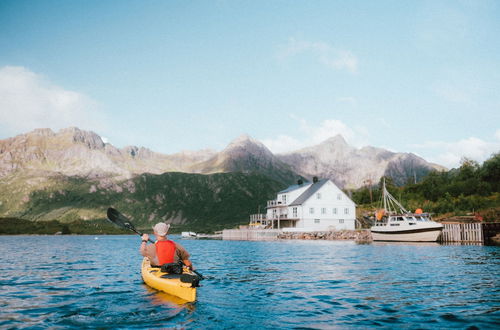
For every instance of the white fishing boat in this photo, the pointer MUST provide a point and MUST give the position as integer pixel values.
(395, 223)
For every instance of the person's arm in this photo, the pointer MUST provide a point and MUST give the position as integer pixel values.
(143, 248)
(183, 255)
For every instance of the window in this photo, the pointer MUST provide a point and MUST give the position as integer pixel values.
(323, 210)
(318, 195)
(283, 198)
(334, 210)
(341, 220)
(316, 220)
(339, 196)
(294, 210)
(311, 210)
(346, 210)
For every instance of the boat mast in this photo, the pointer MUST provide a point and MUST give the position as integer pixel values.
(391, 203)
(384, 194)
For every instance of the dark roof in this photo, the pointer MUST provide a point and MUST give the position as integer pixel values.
(309, 192)
(294, 187)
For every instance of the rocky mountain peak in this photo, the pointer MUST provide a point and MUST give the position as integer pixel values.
(88, 138)
(337, 140)
(246, 144)
(42, 132)
(243, 141)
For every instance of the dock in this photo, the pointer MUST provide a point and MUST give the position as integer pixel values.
(246, 234)
(469, 232)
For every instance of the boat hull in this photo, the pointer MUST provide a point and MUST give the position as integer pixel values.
(173, 285)
(427, 235)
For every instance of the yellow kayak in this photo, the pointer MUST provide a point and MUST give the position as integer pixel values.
(179, 285)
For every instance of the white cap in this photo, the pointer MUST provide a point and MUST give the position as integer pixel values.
(161, 228)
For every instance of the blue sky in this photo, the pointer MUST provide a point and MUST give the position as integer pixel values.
(410, 76)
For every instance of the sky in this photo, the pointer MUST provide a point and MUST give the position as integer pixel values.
(409, 76)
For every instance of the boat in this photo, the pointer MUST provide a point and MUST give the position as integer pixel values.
(178, 285)
(394, 223)
(188, 234)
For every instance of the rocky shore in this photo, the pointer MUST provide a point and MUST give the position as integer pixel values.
(357, 235)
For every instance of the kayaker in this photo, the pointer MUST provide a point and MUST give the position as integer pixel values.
(164, 251)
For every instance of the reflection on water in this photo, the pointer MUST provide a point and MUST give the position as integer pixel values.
(80, 281)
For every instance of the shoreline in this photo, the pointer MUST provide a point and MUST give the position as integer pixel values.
(352, 235)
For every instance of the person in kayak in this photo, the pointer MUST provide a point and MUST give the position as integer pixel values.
(164, 251)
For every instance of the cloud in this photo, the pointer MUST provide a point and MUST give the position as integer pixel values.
(313, 135)
(326, 54)
(29, 101)
(450, 154)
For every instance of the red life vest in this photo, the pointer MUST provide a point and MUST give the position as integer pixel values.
(165, 251)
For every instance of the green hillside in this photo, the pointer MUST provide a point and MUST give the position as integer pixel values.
(196, 202)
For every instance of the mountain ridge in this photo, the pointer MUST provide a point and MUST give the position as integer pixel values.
(75, 152)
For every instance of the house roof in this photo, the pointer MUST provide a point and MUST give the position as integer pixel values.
(309, 192)
(294, 187)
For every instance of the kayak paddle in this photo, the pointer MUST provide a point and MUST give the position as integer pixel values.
(122, 221)
(119, 219)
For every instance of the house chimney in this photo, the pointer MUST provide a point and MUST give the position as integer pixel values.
(315, 179)
(300, 182)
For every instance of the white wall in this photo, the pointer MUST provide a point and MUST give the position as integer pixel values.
(323, 210)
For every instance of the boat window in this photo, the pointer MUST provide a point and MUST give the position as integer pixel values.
(394, 224)
(400, 219)
(412, 223)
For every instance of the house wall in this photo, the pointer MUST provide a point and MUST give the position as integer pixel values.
(323, 216)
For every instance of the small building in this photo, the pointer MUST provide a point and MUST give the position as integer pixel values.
(316, 206)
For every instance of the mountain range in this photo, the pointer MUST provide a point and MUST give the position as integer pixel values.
(73, 175)
(75, 152)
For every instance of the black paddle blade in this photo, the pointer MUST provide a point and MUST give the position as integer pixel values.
(119, 219)
(113, 215)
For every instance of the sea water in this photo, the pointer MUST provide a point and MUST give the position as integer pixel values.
(95, 282)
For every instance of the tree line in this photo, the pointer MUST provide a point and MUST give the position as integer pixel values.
(471, 188)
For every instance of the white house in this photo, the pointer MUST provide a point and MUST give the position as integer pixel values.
(316, 206)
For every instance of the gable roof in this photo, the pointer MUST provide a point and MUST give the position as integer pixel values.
(294, 187)
(309, 192)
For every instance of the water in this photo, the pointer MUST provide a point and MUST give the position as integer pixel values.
(81, 281)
